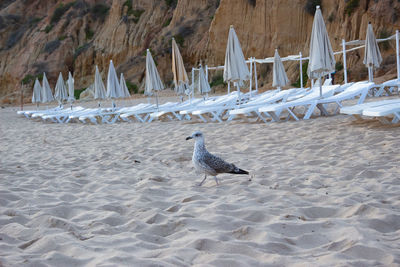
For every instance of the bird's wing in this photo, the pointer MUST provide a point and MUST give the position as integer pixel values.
(217, 164)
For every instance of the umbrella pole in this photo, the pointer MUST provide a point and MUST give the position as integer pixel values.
(229, 87)
(238, 91)
(251, 75)
(369, 73)
(255, 76)
(344, 61)
(22, 98)
(301, 71)
(398, 54)
(37, 106)
(157, 100)
(320, 87)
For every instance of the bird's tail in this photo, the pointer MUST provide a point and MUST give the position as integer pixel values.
(236, 170)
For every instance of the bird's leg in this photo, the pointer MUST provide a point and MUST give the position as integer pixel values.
(216, 180)
(205, 177)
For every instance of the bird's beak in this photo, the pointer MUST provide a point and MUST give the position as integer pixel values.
(189, 137)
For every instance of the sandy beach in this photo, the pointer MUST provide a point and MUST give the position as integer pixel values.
(325, 192)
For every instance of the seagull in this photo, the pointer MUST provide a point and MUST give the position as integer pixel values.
(209, 164)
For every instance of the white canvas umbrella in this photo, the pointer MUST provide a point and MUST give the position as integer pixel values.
(372, 55)
(60, 91)
(181, 80)
(235, 68)
(322, 60)
(70, 83)
(124, 88)
(204, 86)
(113, 87)
(279, 77)
(47, 95)
(36, 96)
(99, 89)
(153, 80)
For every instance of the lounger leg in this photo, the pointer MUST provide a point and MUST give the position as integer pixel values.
(396, 118)
(179, 117)
(362, 97)
(338, 107)
(293, 115)
(139, 118)
(230, 118)
(216, 116)
(309, 111)
(146, 117)
(273, 116)
(323, 110)
(384, 120)
(202, 118)
(115, 119)
(260, 116)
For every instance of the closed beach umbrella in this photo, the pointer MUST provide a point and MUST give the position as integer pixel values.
(279, 77)
(36, 96)
(99, 89)
(153, 80)
(124, 88)
(204, 86)
(113, 87)
(37, 92)
(372, 55)
(322, 60)
(181, 80)
(60, 91)
(47, 95)
(70, 83)
(235, 68)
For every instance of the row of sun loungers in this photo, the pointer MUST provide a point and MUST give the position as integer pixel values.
(271, 106)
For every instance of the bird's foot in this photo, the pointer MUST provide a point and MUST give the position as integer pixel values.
(216, 180)
(251, 177)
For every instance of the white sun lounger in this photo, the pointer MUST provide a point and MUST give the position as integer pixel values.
(143, 114)
(382, 112)
(110, 116)
(74, 117)
(29, 113)
(213, 111)
(172, 113)
(40, 115)
(217, 101)
(62, 116)
(307, 101)
(251, 108)
(357, 110)
(388, 87)
(351, 91)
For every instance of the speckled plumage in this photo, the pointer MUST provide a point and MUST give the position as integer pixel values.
(207, 163)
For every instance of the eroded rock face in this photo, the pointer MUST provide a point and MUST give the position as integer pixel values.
(39, 35)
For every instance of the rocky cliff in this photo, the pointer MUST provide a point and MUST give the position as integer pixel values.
(54, 36)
